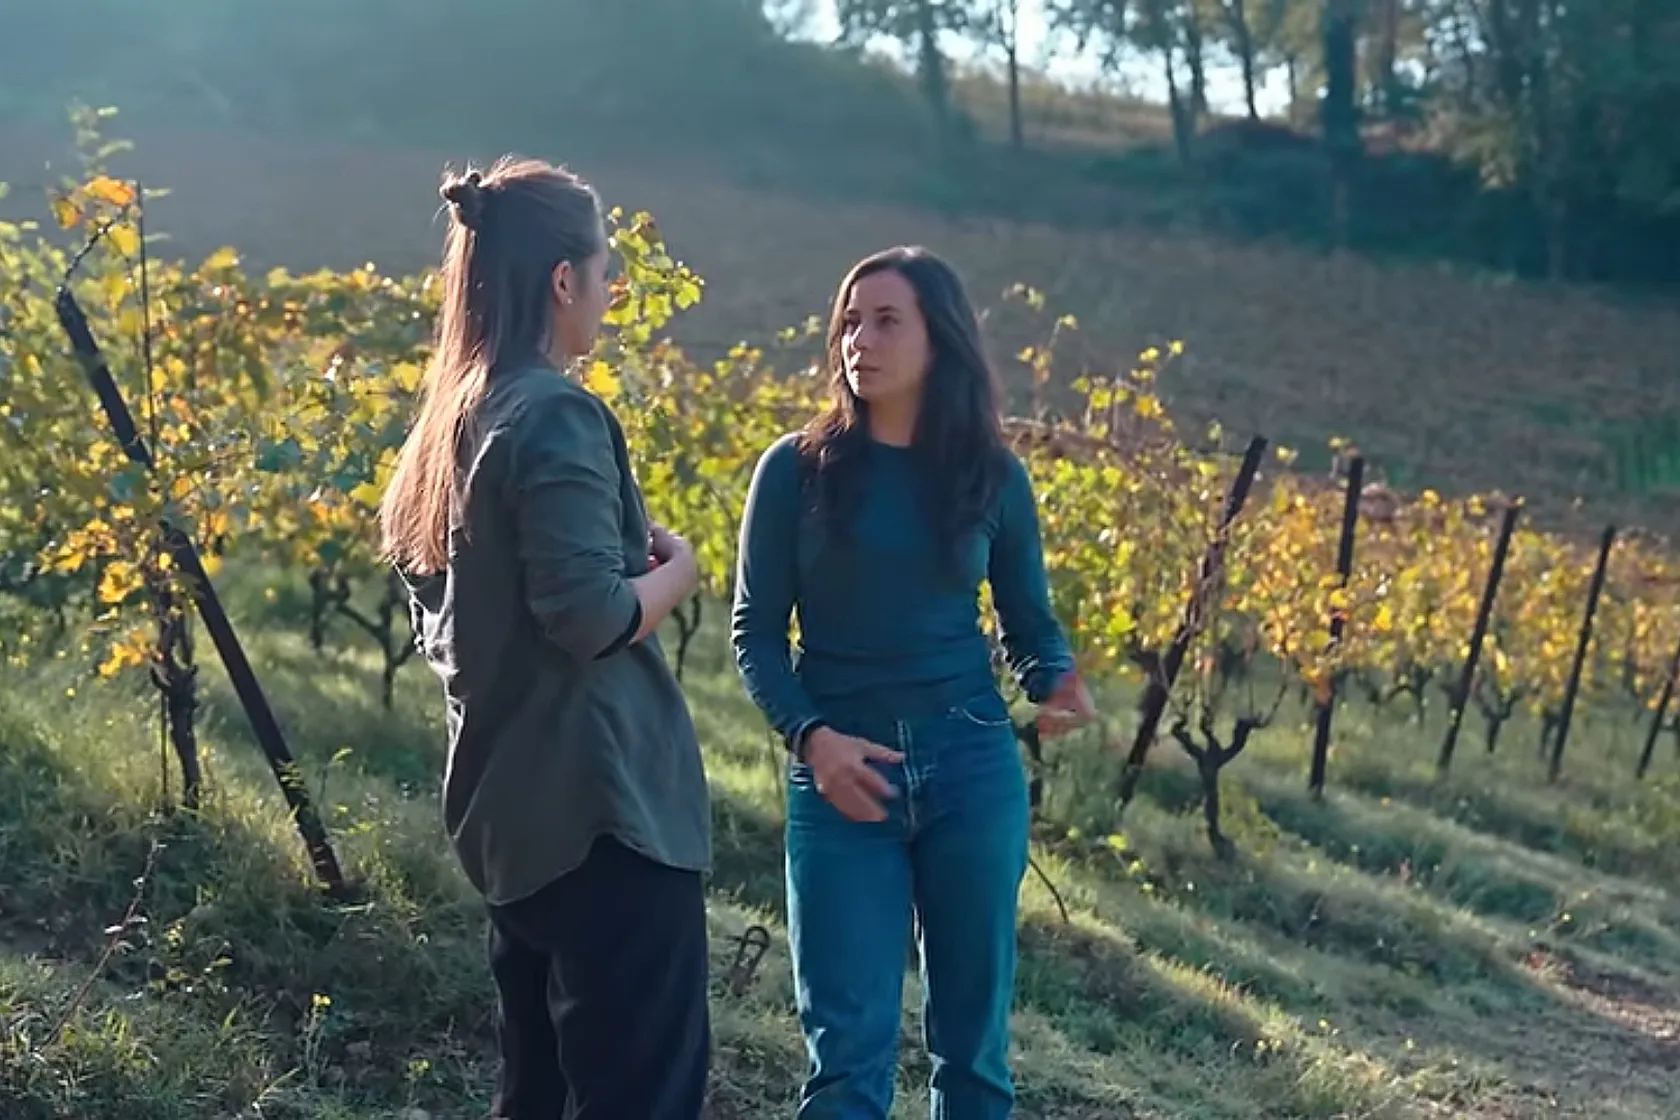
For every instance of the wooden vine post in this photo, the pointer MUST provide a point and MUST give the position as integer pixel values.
(209, 605)
(1338, 622)
(1160, 685)
(1478, 634)
(1567, 712)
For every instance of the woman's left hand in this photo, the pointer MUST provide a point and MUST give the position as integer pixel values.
(1066, 709)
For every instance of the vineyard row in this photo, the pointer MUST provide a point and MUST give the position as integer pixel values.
(272, 408)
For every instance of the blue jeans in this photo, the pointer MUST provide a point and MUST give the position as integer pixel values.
(953, 850)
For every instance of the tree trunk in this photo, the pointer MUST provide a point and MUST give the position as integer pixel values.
(1557, 241)
(1245, 54)
(175, 675)
(397, 652)
(1183, 125)
(688, 625)
(1467, 58)
(1495, 724)
(931, 65)
(1292, 69)
(180, 699)
(1208, 769)
(1387, 53)
(1341, 114)
(1196, 56)
(320, 604)
(1017, 133)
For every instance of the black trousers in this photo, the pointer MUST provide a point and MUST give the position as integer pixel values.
(601, 985)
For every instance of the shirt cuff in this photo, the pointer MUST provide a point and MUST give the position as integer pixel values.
(800, 734)
(624, 638)
(1043, 680)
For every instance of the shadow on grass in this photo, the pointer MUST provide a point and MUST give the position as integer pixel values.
(1153, 1014)
(60, 880)
(1595, 827)
(747, 850)
(145, 1060)
(1253, 961)
(1325, 906)
(1098, 989)
(1469, 870)
(1488, 876)
(185, 1055)
(1395, 955)
(230, 922)
(327, 703)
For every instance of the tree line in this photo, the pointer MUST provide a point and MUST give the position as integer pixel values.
(1569, 106)
(1535, 137)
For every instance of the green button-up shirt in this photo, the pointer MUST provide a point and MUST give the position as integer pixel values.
(560, 728)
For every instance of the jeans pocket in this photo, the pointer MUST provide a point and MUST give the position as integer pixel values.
(985, 710)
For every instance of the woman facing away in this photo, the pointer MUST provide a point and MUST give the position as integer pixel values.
(574, 792)
(906, 792)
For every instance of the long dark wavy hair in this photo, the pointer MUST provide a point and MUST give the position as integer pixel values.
(958, 443)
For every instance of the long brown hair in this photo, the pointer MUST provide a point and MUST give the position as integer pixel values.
(509, 228)
(958, 442)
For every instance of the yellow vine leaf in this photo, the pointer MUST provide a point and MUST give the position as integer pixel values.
(119, 580)
(407, 375)
(71, 559)
(115, 286)
(601, 380)
(65, 212)
(109, 190)
(124, 655)
(125, 239)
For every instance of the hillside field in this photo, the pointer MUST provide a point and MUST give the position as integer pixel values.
(1485, 944)
(1489, 948)
(1462, 383)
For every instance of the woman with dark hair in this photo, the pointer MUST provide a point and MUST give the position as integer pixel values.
(574, 794)
(906, 792)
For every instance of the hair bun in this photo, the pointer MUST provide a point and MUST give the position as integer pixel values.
(465, 195)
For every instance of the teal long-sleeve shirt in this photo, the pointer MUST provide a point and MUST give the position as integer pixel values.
(882, 629)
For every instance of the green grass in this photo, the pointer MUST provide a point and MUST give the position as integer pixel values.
(1488, 947)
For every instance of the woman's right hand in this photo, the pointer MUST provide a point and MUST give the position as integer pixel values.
(667, 548)
(840, 765)
(673, 578)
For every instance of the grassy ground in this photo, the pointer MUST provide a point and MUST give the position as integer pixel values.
(1490, 947)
